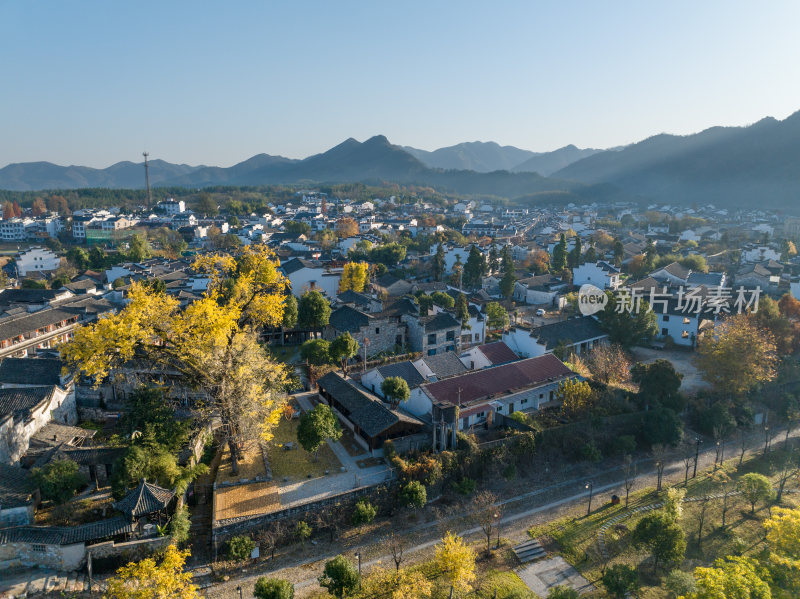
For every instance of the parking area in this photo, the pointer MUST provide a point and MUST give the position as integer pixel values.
(682, 360)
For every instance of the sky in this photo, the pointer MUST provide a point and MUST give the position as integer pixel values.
(93, 83)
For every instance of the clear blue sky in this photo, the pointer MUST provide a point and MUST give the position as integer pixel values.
(216, 82)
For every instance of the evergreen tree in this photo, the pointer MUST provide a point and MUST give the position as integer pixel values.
(574, 258)
(437, 264)
(494, 259)
(559, 260)
(475, 267)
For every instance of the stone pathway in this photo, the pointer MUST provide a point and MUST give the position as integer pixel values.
(544, 575)
(40, 580)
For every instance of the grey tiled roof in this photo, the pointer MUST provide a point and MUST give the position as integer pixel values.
(348, 319)
(440, 322)
(575, 330)
(364, 410)
(22, 399)
(66, 535)
(14, 489)
(144, 499)
(31, 371)
(405, 370)
(445, 364)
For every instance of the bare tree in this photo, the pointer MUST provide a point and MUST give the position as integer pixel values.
(702, 518)
(787, 467)
(718, 434)
(688, 458)
(396, 548)
(742, 445)
(487, 515)
(629, 469)
(659, 454)
(724, 481)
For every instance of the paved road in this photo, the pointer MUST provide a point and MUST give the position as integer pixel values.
(519, 515)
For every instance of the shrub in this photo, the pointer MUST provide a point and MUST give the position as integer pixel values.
(620, 579)
(590, 452)
(179, 526)
(466, 486)
(364, 513)
(240, 548)
(466, 443)
(58, 481)
(413, 494)
(273, 588)
(339, 577)
(303, 531)
(680, 583)
(389, 450)
(510, 472)
(562, 592)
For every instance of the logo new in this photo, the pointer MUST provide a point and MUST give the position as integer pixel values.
(591, 299)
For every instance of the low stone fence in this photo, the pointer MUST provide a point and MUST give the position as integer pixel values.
(223, 530)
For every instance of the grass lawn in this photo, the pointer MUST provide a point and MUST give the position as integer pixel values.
(296, 463)
(285, 353)
(575, 537)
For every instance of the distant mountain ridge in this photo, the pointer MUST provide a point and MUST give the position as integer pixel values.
(548, 163)
(743, 166)
(478, 156)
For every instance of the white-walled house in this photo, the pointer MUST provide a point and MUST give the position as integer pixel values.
(576, 335)
(601, 274)
(305, 275)
(36, 259)
(541, 289)
(760, 253)
(171, 206)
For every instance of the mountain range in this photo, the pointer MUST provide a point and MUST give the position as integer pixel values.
(756, 164)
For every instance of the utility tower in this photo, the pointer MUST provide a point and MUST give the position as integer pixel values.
(147, 180)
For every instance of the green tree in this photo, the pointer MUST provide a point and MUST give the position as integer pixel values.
(754, 487)
(438, 264)
(506, 260)
(462, 310)
(475, 267)
(313, 310)
(290, 311)
(619, 252)
(78, 257)
(508, 283)
(364, 513)
(340, 577)
(206, 205)
(559, 261)
(442, 299)
(58, 481)
(576, 397)
(150, 413)
(342, 349)
(316, 426)
(664, 538)
(628, 328)
(413, 494)
(425, 304)
(621, 580)
(180, 525)
(660, 426)
(316, 352)
(293, 226)
(395, 390)
(659, 384)
(144, 461)
(574, 257)
(302, 531)
(680, 583)
(494, 259)
(390, 254)
(138, 248)
(590, 256)
(240, 548)
(496, 316)
(273, 588)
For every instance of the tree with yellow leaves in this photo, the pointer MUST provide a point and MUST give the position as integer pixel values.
(399, 584)
(213, 342)
(355, 277)
(732, 577)
(153, 578)
(456, 560)
(783, 536)
(575, 396)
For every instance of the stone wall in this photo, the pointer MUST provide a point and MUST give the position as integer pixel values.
(57, 557)
(222, 531)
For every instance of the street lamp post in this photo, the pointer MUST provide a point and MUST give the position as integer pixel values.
(239, 588)
(590, 486)
(497, 517)
(697, 443)
(358, 555)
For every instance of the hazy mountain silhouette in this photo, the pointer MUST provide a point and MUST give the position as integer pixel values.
(755, 165)
(29, 176)
(548, 163)
(479, 156)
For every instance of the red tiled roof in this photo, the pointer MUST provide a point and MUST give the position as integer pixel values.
(498, 352)
(497, 380)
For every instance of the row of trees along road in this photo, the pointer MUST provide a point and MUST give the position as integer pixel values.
(213, 343)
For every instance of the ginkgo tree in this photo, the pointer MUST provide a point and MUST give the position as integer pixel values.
(456, 560)
(212, 343)
(153, 577)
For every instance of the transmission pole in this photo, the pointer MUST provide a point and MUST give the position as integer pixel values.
(147, 180)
